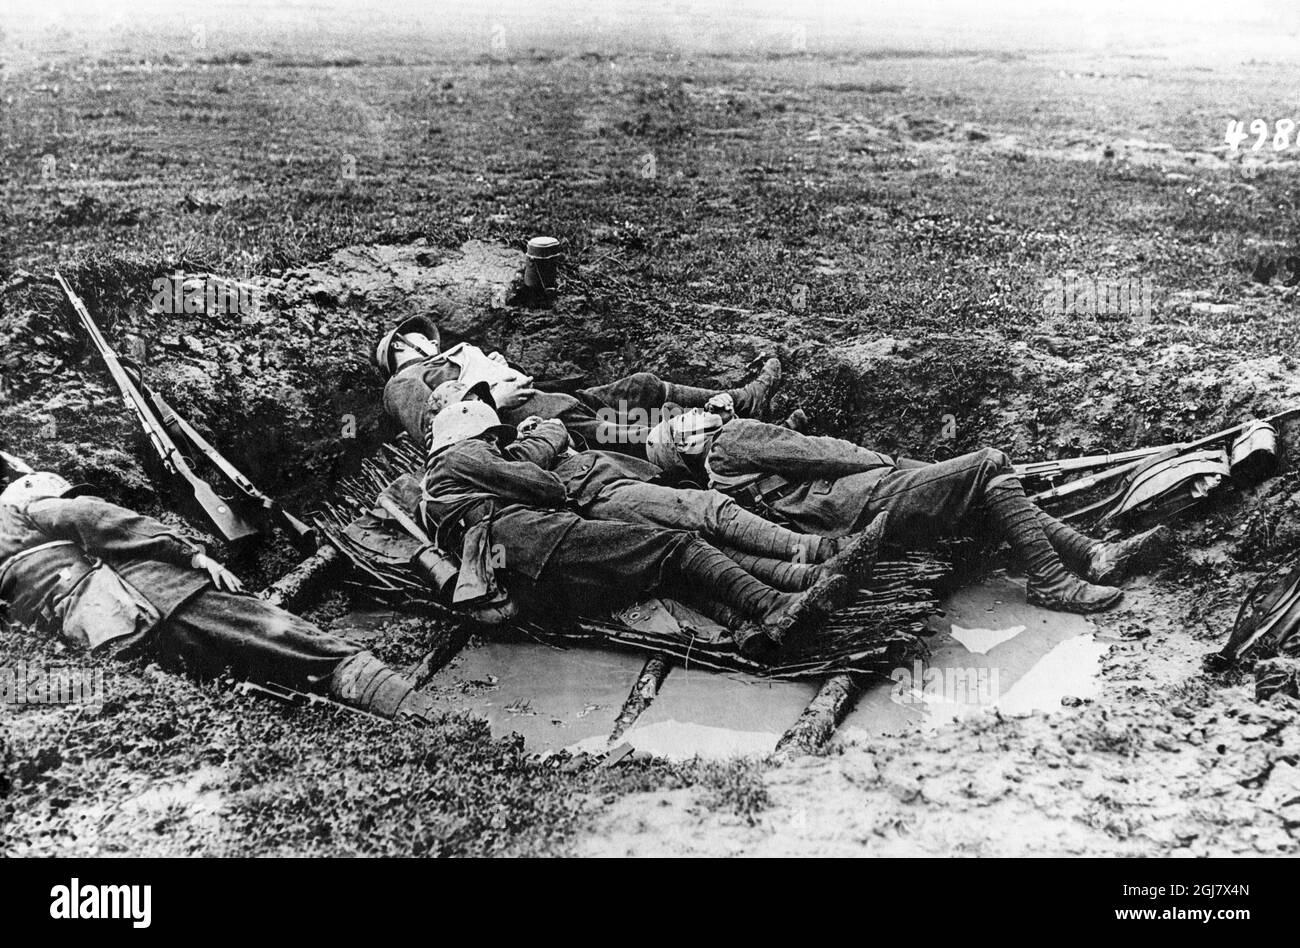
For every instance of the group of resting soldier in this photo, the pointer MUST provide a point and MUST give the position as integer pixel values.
(763, 528)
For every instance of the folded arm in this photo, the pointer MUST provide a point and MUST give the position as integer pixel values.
(476, 467)
(110, 531)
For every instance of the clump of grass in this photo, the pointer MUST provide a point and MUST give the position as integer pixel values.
(735, 786)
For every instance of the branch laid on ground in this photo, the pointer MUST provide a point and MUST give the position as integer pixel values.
(642, 694)
(817, 723)
(304, 583)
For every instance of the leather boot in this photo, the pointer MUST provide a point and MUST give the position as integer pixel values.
(746, 635)
(708, 571)
(839, 578)
(362, 681)
(1050, 584)
(856, 554)
(1101, 562)
(751, 399)
(1112, 563)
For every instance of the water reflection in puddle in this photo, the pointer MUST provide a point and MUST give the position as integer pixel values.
(554, 698)
(990, 649)
(718, 716)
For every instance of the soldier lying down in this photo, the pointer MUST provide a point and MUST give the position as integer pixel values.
(833, 487)
(534, 497)
(115, 582)
(413, 365)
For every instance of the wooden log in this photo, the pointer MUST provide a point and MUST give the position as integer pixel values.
(817, 723)
(445, 648)
(300, 586)
(642, 694)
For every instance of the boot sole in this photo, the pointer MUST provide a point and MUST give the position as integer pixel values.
(753, 643)
(824, 597)
(857, 561)
(756, 369)
(1079, 608)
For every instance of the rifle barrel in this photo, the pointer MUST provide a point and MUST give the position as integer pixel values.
(1127, 458)
(232, 526)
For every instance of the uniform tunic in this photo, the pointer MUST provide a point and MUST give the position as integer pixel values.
(153, 558)
(580, 565)
(48, 551)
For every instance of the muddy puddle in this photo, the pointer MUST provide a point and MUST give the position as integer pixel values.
(990, 649)
(570, 699)
(717, 716)
(554, 698)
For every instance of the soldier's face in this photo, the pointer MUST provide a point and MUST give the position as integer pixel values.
(404, 354)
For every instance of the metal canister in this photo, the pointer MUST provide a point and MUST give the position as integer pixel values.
(1254, 453)
(542, 266)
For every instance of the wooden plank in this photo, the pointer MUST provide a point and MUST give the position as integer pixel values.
(447, 647)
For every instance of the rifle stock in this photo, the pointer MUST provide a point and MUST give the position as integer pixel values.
(230, 524)
(301, 534)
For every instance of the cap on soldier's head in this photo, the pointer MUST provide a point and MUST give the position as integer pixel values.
(38, 486)
(454, 390)
(384, 356)
(683, 436)
(461, 421)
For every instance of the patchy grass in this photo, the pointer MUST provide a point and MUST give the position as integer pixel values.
(735, 786)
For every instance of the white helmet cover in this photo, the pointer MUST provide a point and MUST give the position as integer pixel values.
(687, 435)
(461, 421)
(32, 487)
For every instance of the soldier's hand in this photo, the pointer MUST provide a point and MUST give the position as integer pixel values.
(222, 578)
(512, 392)
(528, 425)
(552, 423)
(497, 357)
(722, 405)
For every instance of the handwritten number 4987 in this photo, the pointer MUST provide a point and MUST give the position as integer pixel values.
(1282, 130)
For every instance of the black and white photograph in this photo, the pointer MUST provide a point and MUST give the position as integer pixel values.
(650, 428)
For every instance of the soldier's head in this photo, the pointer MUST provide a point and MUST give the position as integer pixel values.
(39, 486)
(461, 421)
(683, 440)
(409, 341)
(454, 390)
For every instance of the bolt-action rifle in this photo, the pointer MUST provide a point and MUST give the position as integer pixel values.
(168, 432)
(1128, 461)
(225, 518)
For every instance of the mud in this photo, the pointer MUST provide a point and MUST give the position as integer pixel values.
(554, 698)
(1161, 762)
